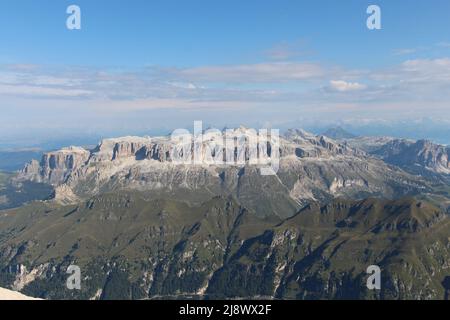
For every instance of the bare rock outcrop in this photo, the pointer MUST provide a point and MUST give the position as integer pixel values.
(310, 167)
(421, 153)
(56, 166)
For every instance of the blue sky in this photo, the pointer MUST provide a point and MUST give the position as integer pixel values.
(140, 65)
(198, 32)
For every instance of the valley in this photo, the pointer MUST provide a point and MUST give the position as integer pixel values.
(150, 249)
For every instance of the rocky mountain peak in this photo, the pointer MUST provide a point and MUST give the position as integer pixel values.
(310, 167)
(409, 154)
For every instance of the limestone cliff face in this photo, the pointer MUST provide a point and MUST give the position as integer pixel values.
(119, 148)
(433, 156)
(31, 170)
(126, 149)
(310, 167)
(310, 145)
(54, 167)
(422, 153)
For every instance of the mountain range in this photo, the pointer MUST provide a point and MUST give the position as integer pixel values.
(311, 168)
(176, 230)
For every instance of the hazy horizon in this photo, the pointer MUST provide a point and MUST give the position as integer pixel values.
(153, 67)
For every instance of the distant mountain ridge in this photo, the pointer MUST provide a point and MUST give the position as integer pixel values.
(12, 160)
(142, 226)
(415, 156)
(338, 133)
(424, 153)
(311, 168)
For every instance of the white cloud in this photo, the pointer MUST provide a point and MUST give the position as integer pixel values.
(39, 91)
(183, 85)
(428, 66)
(443, 44)
(280, 84)
(255, 73)
(401, 52)
(344, 86)
(288, 50)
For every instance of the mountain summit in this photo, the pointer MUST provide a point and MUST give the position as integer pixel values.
(311, 168)
(338, 133)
